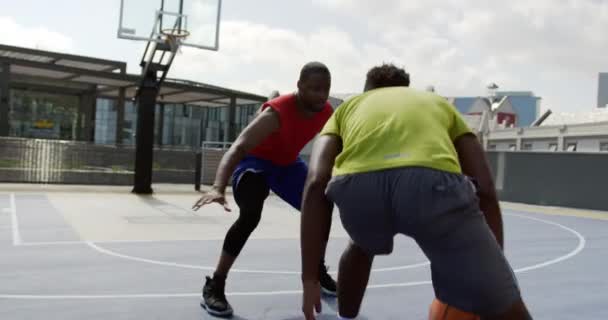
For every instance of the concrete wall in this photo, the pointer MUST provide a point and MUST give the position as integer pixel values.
(502, 145)
(584, 144)
(539, 144)
(577, 180)
(588, 137)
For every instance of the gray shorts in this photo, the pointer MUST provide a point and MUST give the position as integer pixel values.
(440, 211)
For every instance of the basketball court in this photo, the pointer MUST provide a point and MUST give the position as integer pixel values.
(103, 253)
(98, 252)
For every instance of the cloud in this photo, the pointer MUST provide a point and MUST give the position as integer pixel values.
(458, 46)
(36, 38)
(260, 58)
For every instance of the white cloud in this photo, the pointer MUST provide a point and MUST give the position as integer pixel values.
(460, 45)
(36, 38)
(259, 58)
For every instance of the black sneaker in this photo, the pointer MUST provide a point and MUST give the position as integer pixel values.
(328, 285)
(214, 298)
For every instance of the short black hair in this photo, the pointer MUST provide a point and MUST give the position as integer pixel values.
(314, 67)
(386, 75)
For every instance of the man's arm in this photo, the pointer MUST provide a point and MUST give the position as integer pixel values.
(474, 164)
(316, 208)
(261, 127)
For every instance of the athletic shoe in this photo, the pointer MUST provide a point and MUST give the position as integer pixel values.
(328, 285)
(214, 298)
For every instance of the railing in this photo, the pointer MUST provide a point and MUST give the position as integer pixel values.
(210, 155)
(75, 162)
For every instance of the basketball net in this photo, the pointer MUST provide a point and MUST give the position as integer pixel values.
(174, 38)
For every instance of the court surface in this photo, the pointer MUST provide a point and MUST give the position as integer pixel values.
(103, 253)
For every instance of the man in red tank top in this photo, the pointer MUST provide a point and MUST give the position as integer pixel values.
(265, 157)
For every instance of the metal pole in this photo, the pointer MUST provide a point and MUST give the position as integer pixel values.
(203, 154)
(197, 170)
(144, 148)
(4, 99)
(217, 25)
(181, 11)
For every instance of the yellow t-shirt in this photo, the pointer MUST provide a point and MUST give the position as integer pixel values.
(396, 127)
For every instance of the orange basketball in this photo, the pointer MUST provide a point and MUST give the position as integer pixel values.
(441, 311)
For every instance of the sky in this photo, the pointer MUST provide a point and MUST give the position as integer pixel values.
(554, 48)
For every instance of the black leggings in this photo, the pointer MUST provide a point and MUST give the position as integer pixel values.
(250, 194)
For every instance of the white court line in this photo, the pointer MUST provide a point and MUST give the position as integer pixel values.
(578, 249)
(83, 242)
(581, 245)
(51, 243)
(14, 221)
(188, 295)
(197, 267)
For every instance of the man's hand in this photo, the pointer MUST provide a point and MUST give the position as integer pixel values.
(311, 298)
(212, 196)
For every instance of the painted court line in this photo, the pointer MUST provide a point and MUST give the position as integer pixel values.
(14, 221)
(189, 295)
(556, 211)
(577, 250)
(198, 267)
(50, 243)
(581, 245)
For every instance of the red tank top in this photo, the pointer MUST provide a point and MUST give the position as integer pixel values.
(283, 146)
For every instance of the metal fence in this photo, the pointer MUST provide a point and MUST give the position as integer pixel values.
(211, 155)
(72, 162)
(558, 179)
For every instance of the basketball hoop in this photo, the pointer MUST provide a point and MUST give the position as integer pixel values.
(174, 37)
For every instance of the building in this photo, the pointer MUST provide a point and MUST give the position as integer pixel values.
(602, 90)
(564, 132)
(51, 95)
(525, 105)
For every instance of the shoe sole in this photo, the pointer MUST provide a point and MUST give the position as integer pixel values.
(225, 314)
(328, 292)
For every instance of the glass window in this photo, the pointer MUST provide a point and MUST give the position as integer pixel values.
(130, 123)
(553, 147)
(43, 115)
(571, 147)
(604, 146)
(105, 121)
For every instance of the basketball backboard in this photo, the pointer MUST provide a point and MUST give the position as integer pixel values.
(145, 20)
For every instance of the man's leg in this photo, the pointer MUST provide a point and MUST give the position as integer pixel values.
(249, 195)
(367, 218)
(353, 275)
(517, 311)
(288, 183)
(469, 269)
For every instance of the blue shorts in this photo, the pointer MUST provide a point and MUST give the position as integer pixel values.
(287, 182)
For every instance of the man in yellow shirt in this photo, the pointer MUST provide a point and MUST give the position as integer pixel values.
(401, 162)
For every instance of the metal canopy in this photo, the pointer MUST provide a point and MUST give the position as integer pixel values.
(110, 76)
